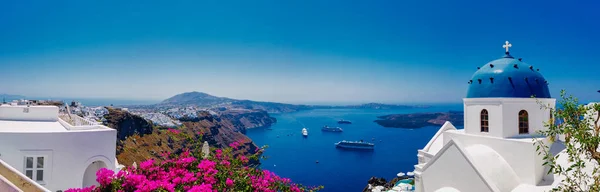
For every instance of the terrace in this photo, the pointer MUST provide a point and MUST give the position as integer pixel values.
(25, 118)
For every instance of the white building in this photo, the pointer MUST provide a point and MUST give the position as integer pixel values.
(495, 151)
(42, 150)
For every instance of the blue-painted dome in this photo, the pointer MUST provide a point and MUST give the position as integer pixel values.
(508, 77)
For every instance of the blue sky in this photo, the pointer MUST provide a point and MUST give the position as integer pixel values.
(290, 51)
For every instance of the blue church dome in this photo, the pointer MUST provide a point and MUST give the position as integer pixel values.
(507, 77)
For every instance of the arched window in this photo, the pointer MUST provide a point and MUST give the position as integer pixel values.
(485, 125)
(523, 122)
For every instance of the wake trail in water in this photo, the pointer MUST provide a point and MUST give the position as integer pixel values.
(287, 129)
(299, 122)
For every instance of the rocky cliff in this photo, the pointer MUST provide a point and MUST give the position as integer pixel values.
(126, 123)
(242, 120)
(139, 141)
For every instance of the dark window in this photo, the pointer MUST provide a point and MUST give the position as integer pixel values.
(485, 123)
(34, 172)
(29, 173)
(523, 122)
(29, 163)
(39, 175)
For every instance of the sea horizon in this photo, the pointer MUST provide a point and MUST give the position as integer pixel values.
(129, 101)
(95, 102)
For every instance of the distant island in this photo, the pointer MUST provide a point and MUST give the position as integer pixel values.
(372, 106)
(204, 100)
(418, 120)
(207, 101)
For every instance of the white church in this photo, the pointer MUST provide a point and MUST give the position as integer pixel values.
(495, 151)
(42, 149)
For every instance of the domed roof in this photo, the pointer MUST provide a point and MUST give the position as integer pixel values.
(508, 77)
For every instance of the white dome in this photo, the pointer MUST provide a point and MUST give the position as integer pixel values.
(492, 165)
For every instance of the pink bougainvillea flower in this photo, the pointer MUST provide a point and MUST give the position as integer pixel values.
(174, 131)
(201, 188)
(104, 176)
(229, 182)
(234, 145)
(188, 171)
(87, 189)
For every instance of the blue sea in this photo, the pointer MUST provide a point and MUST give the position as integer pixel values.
(293, 156)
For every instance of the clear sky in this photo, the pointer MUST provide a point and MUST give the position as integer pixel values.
(290, 51)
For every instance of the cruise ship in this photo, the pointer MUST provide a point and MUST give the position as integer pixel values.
(331, 129)
(344, 122)
(355, 145)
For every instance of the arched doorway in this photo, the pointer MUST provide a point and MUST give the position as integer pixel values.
(89, 176)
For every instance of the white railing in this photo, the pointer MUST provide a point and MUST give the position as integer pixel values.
(424, 156)
(76, 120)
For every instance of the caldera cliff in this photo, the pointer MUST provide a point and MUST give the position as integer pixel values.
(248, 119)
(139, 140)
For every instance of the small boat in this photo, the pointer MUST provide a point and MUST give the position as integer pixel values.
(304, 132)
(344, 122)
(331, 129)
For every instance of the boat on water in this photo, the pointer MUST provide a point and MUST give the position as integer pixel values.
(331, 129)
(344, 122)
(304, 132)
(355, 145)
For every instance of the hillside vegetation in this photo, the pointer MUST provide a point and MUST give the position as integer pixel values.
(138, 140)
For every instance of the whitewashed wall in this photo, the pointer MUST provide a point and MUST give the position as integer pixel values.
(520, 154)
(451, 169)
(68, 154)
(538, 115)
(24, 113)
(504, 115)
(472, 116)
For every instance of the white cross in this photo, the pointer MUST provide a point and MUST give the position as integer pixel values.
(506, 46)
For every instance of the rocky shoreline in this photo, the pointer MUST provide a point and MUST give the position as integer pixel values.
(418, 120)
(378, 181)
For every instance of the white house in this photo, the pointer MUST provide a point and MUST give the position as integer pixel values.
(48, 151)
(495, 151)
